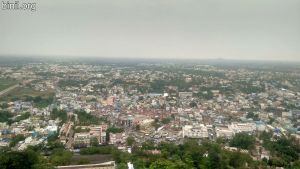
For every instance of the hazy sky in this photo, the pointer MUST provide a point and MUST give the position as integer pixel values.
(204, 29)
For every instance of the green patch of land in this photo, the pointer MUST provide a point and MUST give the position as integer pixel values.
(91, 159)
(6, 83)
(40, 98)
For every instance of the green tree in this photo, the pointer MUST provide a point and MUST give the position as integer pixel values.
(238, 160)
(148, 145)
(285, 150)
(97, 150)
(94, 142)
(253, 116)
(130, 141)
(122, 166)
(165, 120)
(243, 140)
(83, 161)
(14, 141)
(113, 130)
(5, 116)
(87, 119)
(162, 164)
(19, 160)
(193, 104)
(214, 158)
(296, 165)
(61, 114)
(4, 105)
(137, 127)
(61, 157)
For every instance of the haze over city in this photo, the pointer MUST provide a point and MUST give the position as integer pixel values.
(150, 84)
(189, 29)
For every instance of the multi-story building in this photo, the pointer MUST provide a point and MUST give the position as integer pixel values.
(224, 131)
(243, 127)
(84, 138)
(117, 138)
(195, 131)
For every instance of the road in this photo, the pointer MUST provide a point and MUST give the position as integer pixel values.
(3, 92)
(70, 139)
(8, 89)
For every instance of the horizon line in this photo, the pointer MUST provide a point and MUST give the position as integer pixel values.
(55, 57)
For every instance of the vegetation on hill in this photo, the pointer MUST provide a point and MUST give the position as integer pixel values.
(243, 141)
(189, 155)
(39, 101)
(6, 83)
(14, 140)
(5, 116)
(23, 116)
(61, 114)
(39, 98)
(87, 119)
(113, 130)
(71, 83)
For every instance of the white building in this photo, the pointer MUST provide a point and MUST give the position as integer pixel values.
(243, 127)
(199, 131)
(117, 138)
(85, 137)
(224, 131)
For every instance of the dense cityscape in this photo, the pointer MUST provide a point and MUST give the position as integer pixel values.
(149, 115)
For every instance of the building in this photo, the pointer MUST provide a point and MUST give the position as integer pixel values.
(184, 95)
(243, 127)
(65, 131)
(117, 138)
(84, 138)
(224, 131)
(195, 131)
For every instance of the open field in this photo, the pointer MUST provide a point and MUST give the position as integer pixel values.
(24, 92)
(6, 83)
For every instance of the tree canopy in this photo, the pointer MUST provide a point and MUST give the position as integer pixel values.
(243, 141)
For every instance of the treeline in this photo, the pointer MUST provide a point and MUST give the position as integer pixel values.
(15, 140)
(39, 101)
(71, 82)
(35, 157)
(84, 118)
(23, 116)
(5, 116)
(285, 151)
(189, 155)
(97, 150)
(113, 129)
(159, 86)
(61, 114)
(249, 89)
(21, 160)
(204, 95)
(243, 141)
(87, 119)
